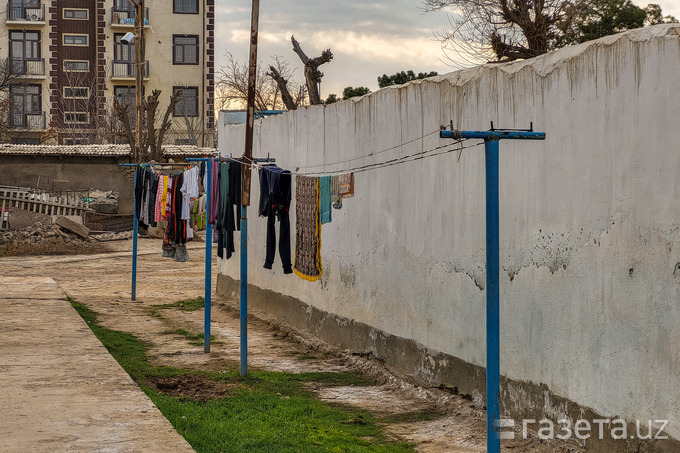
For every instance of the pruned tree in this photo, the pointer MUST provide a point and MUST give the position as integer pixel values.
(153, 133)
(232, 86)
(77, 118)
(312, 74)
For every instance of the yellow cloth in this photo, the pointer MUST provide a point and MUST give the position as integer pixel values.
(164, 196)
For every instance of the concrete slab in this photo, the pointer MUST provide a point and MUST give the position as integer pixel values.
(60, 389)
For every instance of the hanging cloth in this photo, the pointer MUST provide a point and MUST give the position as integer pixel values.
(346, 185)
(275, 197)
(336, 200)
(325, 199)
(307, 229)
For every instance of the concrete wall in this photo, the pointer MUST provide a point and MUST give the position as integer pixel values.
(590, 229)
(68, 173)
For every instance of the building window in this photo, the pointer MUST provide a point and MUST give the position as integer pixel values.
(76, 13)
(188, 103)
(25, 140)
(25, 107)
(185, 141)
(76, 117)
(125, 95)
(76, 65)
(76, 93)
(75, 40)
(24, 45)
(185, 49)
(186, 7)
(123, 52)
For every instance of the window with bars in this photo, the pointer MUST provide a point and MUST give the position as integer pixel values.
(76, 92)
(188, 103)
(185, 49)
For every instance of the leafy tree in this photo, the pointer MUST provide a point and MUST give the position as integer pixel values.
(331, 99)
(655, 16)
(402, 77)
(506, 30)
(351, 92)
(602, 18)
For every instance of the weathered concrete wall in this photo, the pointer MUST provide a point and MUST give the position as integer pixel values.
(590, 228)
(66, 173)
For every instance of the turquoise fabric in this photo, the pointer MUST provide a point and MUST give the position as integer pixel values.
(325, 199)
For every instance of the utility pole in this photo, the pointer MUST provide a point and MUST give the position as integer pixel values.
(139, 74)
(245, 196)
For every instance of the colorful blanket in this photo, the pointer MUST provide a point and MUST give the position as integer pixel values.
(307, 229)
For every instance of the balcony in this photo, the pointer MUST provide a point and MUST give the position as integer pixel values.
(27, 121)
(126, 69)
(27, 67)
(26, 12)
(122, 17)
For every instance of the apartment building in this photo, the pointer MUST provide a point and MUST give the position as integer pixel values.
(67, 64)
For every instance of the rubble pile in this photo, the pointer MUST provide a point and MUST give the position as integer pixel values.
(39, 239)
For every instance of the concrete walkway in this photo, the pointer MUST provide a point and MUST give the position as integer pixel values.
(60, 389)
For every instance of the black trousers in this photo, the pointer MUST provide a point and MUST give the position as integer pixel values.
(284, 240)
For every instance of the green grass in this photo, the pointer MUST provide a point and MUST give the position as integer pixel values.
(185, 305)
(264, 412)
(195, 339)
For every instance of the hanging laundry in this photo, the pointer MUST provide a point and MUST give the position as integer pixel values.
(325, 199)
(164, 198)
(159, 197)
(346, 185)
(214, 191)
(336, 200)
(222, 219)
(308, 229)
(275, 197)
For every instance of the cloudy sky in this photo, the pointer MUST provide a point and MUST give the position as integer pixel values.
(367, 38)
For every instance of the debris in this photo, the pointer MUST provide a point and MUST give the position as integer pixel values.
(73, 227)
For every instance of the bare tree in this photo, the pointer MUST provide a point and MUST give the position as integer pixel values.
(77, 118)
(9, 75)
(312, 74)
(232, 86)
(153, 129)
(502, 30)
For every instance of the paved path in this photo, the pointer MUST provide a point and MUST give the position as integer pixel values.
(60, 389)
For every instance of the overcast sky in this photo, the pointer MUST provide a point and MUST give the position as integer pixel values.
(367, 38)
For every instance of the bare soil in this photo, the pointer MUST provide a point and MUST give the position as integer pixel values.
(434, 420)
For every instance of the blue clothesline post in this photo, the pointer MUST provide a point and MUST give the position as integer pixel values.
(208, 256)
(491, 148)
(208, 247)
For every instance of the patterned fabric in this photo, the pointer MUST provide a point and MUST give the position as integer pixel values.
(346, 185)
(335, 192)
(307, 229)
(159, 195)
(325, 199)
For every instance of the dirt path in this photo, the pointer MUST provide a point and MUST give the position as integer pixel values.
(433, 420)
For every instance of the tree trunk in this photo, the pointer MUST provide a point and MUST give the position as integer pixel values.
(282, 84)
(312, 74)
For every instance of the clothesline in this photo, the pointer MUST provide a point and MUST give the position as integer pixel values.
(456, 146)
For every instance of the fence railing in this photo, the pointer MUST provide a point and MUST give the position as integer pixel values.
(34, 200)
(27, 120)
(125, 16)
(126, 69)
(27, 66)
(27, 11)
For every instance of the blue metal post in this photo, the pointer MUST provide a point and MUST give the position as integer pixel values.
(208, 265)
(244, 291)
(134, 240)
(491, 148)
(492, 298)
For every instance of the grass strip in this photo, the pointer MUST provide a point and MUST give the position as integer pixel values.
(263, 412)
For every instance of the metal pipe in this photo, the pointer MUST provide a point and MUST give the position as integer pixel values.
(497, 134)
(244, 291)
(208, 267)
(492, 298)
(134, 239)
